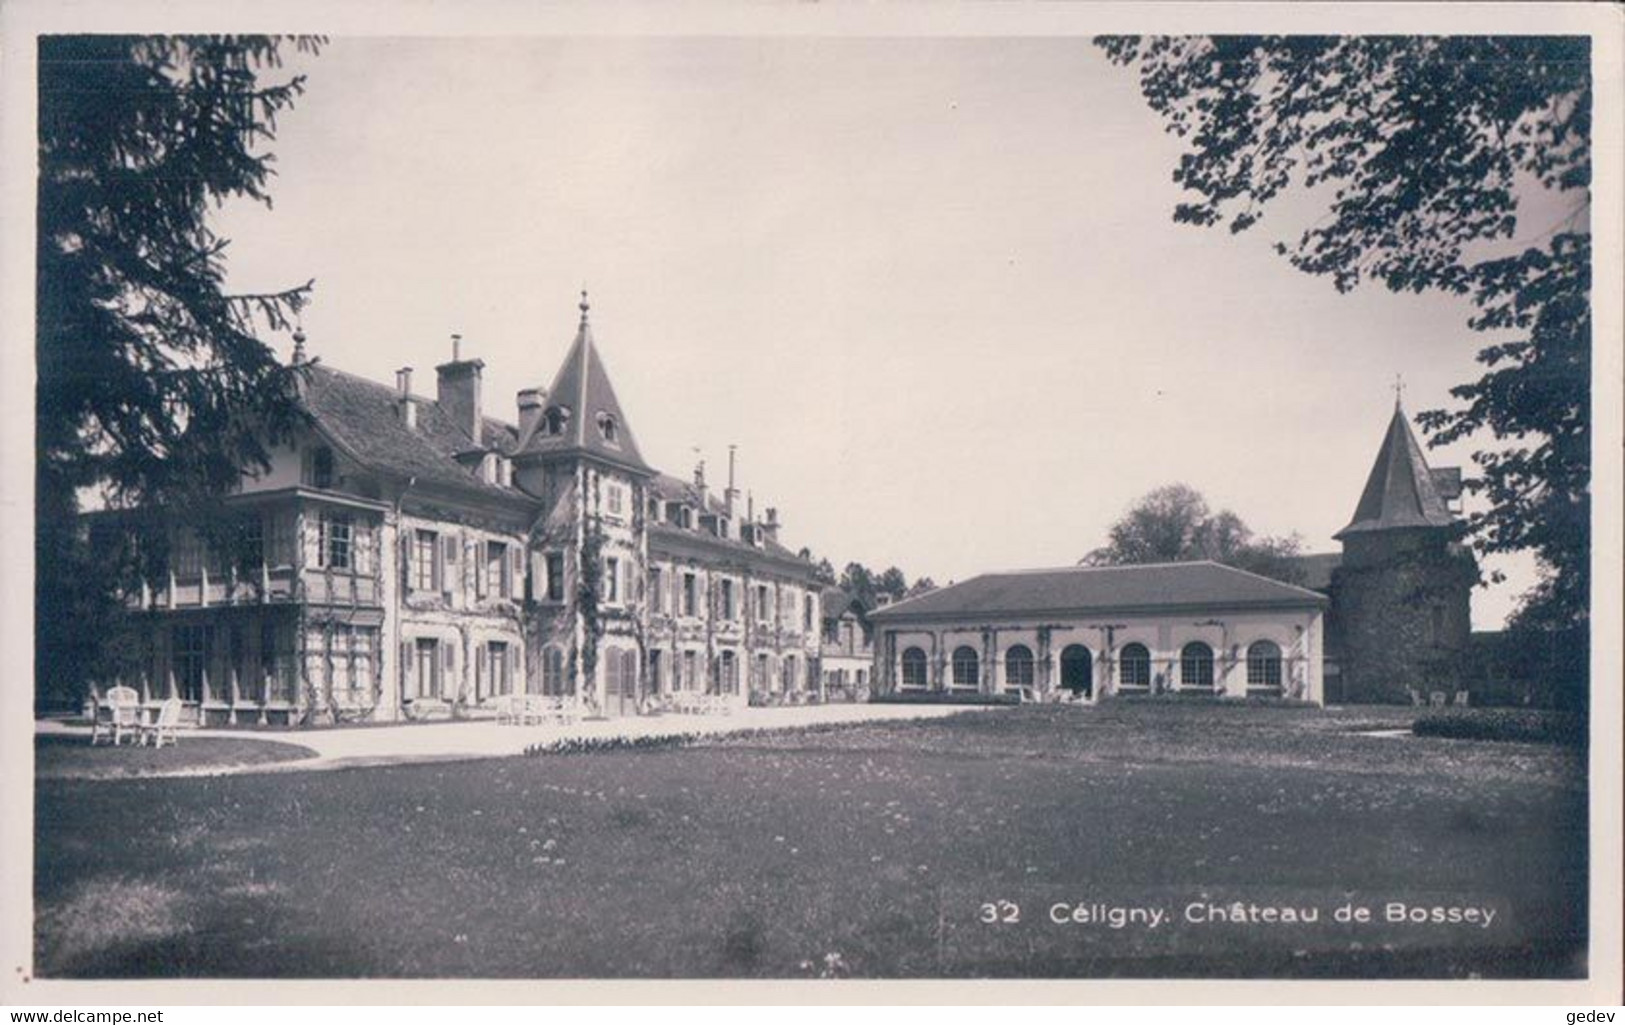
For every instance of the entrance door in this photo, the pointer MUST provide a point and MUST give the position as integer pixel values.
(620, 682)
(1078, 670)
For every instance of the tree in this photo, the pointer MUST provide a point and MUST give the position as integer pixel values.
(154, 387)
(1175, 524)
(1426, 146)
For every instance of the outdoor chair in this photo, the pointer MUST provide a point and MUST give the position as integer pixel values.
(508, 709)
(163, 727)
(117, 715)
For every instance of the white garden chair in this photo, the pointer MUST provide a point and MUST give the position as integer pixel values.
(163, 727)
(117, 715)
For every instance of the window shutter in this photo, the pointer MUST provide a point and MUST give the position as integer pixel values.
(516, 576)
(444, 553)
(406, 670)
(406, 561)
(450, 658)
(478, 568)
(480, 674)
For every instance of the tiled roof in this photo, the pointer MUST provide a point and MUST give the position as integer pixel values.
(674, 489)
(659, 532)
(1101, 589)
(1401, 491)
(363, 417)
(582, 388)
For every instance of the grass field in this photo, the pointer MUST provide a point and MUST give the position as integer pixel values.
(864, 851)
(66, 756)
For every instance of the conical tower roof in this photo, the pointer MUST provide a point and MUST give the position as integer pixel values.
(1400, 493)
(593, 423)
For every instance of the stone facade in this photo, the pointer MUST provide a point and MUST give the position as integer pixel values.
(412, 558)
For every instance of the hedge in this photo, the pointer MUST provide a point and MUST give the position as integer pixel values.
(1527, 725)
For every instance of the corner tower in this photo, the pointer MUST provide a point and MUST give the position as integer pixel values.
(589, 547)
(1401, 594)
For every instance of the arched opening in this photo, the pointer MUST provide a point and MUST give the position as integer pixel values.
(1018, 668)
(914, 671)
(967, 667)
(1264, 665)
(1078, 670)
(1134, 666)
(1196, 665)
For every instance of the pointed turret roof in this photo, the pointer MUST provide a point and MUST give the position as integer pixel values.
(592, 422)
(1401, 491)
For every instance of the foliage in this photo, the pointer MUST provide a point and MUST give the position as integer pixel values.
(1426, 147)
(1175, 524)
(153, 383)
(867, 586)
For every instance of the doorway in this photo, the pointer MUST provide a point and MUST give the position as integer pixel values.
(1078, 671)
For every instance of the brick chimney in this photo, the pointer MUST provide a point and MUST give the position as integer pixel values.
(531, 403)
(458, 390)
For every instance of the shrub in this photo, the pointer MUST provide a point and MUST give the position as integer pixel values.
(942, 697)
(1528, 725)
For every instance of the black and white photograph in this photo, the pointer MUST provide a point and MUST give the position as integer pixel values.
(810, 493)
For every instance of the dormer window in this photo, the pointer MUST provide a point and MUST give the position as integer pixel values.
(609, 428)
(319, 468)
(555, 419)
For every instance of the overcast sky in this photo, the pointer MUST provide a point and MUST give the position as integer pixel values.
(930, 288)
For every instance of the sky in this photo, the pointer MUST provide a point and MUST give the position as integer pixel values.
(930, 288)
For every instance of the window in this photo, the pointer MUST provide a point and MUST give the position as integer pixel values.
(497, 579)
(500, 671)
(1018, 666)
(654, 674)
(1134, 666)
(691, 595)
(758, 673)
(608, 428)
(425, 682)
(250, 540)
(806, 612)
(728, 673)
(1264, 664)
(1196, 665)
(967, 667)
(657, 592)
(914, 670)
(691, 673)
(792, 678)
(425, 549)
(727, 600)
(191, 660)
(553, 671)
(614, 499)
(277, 668)
(555, 576)
(335, 549)
(764, 609)
(321, 468)
(554, 419)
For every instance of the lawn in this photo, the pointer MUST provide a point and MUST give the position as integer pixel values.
(863, 851)
(68, 756)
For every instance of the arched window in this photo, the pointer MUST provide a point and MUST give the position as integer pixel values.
(967, 667)
(1018, 666)
(1196, 665)
(914, 674)
(1134, 666)
(1264, 664)
(554, 419)
(609, 428)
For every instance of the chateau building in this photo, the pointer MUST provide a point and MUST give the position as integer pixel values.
(405, 557)
(1384, 620)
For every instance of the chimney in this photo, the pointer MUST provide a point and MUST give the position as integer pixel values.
(408, 408)
(731, 495)
(458, 390)
(770, 526)
(531, 403)
(699, 477)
